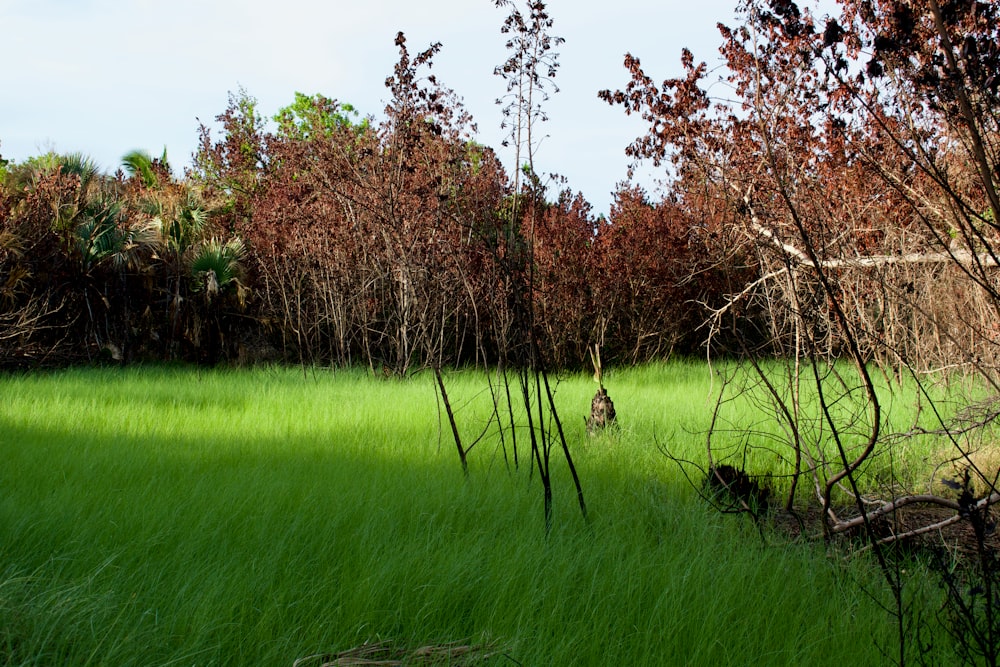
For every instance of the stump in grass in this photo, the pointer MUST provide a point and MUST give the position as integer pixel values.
(602, 409)
(602, 412)
(738, 486)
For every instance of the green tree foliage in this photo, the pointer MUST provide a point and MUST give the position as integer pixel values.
(317, 117)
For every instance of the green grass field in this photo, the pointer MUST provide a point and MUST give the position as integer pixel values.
(175, 516)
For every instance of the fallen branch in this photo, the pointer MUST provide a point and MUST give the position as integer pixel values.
(925, 499)
(868, 261)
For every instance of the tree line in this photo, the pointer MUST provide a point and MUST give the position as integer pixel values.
(329, 238)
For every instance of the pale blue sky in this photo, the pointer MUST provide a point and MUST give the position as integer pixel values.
(105, 76)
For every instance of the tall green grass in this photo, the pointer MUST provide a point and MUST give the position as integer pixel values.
(175, 516)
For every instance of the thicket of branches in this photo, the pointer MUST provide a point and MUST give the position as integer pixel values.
(855, 166)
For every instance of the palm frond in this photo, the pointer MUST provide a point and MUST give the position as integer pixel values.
(78, 164)
(215, 265)
(97, 234)
(183, 230)
(140, 163)
(11, 243)
(106, 235)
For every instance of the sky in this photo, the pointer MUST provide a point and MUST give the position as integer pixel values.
(105, 77)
